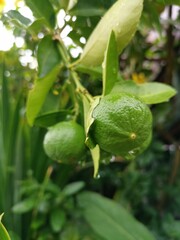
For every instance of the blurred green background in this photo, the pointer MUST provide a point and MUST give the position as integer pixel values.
(37, 195)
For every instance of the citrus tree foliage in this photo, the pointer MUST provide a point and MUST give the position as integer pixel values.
(97, 103)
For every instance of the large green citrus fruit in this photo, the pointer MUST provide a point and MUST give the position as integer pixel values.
(122, 125)
(64, 142)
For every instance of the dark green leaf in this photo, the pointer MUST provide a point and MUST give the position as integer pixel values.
(57, 219)
(48, 55)
(38, 94)
(87, 12)
(110, 220)
(95, 72)
(169, 2)
(153, 18)
(110, 65)
(89, 8)
(43, 8)
(49, 119)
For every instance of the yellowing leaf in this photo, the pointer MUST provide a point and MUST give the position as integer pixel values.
(122, 18)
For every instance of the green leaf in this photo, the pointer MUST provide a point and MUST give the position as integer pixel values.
(110, 65)
(150, 93)
(49, 119)
(25, 205)
(88, 119)
(86, 12)
(47, 55)
(169, 2)
(95, 153)
(57, 220)
(73, 188)
(95, 72)
(122, 18)
(68, 4)
(110, 220)
(36, 26)
(18, 18)
(3, 232)
(38, 94)
(172, 2)
(88, 8)
(153, 19)
(43, 8)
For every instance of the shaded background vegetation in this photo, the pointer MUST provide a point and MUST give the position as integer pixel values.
(35, 191)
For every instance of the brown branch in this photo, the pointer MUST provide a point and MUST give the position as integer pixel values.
(170, 51)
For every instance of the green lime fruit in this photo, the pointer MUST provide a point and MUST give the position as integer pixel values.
(64, 142)
(122, 125)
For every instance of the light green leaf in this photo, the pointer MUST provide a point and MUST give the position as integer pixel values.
(47, 55)
(122, 18)
(110, 65)
(73, 188)
(18, 18)
(3, 232)
(88, 119)
(43, 8)
(110, 220)
(38, 94)
(24, 206)
(95, 153)
(150, 93)
(57, 219)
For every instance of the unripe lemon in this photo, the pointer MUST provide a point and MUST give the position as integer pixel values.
(122, 125)
(64, 142)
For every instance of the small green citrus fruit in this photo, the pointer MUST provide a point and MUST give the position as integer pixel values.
(122, 125)
(64, 142)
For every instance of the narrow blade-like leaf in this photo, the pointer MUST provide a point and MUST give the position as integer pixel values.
(38, 94)
(3, 232)
(110, 65)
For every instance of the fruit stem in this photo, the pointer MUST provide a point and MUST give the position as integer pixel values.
(66, 59)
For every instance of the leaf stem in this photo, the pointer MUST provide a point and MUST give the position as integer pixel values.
(66, 59)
